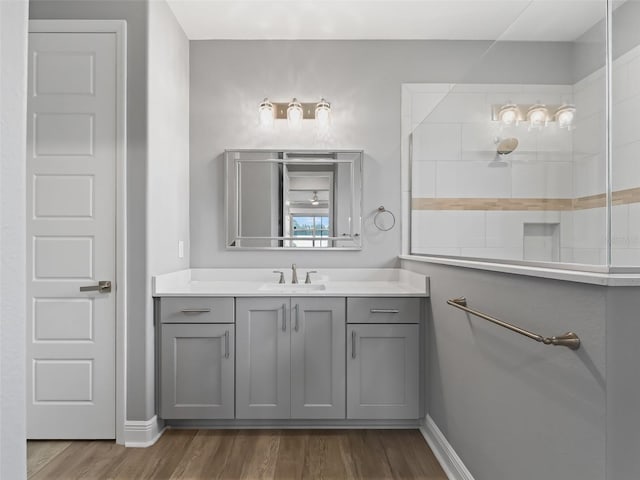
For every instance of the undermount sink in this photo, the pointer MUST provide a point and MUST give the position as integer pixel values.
(292, 287)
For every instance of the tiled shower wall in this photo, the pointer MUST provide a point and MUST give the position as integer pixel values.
(453, 145)
(453, 148)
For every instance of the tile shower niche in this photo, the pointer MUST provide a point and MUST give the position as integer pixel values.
(541, 242)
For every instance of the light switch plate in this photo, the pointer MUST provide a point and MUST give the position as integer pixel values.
(180, 249)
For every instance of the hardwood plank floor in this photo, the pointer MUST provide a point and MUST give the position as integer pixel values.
(242, 454)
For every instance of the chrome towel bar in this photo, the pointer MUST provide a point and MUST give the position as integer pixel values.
(568, 339)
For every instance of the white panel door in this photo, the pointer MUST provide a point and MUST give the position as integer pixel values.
(71, 198)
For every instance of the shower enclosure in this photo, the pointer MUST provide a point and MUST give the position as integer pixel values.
(533, 155)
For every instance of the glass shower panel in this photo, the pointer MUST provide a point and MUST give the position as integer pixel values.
(625, 135)
(509, 162)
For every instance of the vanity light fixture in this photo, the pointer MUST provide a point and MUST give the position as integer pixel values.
(266, 113)
(295, 112)
(509, 115)
(538, 116)
(565, 116)
(323, 114)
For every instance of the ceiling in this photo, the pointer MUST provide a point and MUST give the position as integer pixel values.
(515, 20)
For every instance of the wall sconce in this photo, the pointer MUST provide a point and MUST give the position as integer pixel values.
(509, 115)
(565, 116)
(265, 112)
(295, 112)
(537, 115)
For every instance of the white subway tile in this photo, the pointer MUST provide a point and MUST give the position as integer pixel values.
(555, 139)
(625, 257)
(423, 179)
(448, 229)
(542, 180)
(625, 121)
(589, 136)
(589, 176)
(634, 225)
(626, 166)
(436, 142)
(589, 228)
(589, 256)
(472, 179)
(620, 226)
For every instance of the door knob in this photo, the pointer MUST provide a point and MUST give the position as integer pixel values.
(104, 286)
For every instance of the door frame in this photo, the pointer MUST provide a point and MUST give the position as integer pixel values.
(119, 28)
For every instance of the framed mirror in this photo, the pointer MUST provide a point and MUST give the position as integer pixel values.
(293, 199)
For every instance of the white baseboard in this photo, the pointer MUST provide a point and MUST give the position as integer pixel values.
(449, 460)
(143, 433)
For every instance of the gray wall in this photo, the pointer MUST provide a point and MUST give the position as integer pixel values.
(510, 407)
(13, 242)
(168, 160)
(362, 80)
(136, 15)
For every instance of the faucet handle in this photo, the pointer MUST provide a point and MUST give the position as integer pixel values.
(308, 279)
(281, 275)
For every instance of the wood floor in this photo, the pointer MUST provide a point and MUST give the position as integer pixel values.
(242, 454)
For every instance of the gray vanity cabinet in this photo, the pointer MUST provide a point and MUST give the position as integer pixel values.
(197, 371)
(263, 367)
(383, 360)
(290, 358)
(197, 342)
(318, 358)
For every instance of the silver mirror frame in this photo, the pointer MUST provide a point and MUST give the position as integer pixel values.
(350, 241)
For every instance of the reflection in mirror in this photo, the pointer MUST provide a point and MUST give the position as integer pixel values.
(296, 200)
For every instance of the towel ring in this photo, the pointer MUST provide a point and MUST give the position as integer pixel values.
(380, 216)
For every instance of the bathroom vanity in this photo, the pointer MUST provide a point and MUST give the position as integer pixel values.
(237, 348)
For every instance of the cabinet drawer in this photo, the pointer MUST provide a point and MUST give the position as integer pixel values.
(196, 310)
(383, 310)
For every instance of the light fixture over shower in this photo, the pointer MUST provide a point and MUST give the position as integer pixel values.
(536, 116)
(295, 112)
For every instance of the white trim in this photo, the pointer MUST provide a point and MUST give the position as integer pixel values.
(119, 28)
(142, 434)
(449, 460)
(593, 278)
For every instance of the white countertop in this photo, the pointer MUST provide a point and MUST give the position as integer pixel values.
(250, 282)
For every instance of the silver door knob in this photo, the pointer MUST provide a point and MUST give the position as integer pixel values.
(104, 286)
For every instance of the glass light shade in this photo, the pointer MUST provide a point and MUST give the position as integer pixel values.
(265, 112)
(323, 114)
(508, 115)
(294, 113)
(537, 116)
(565, 116)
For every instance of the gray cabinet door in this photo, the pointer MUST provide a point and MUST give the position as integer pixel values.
(197, 371)
(263, 349)
(382, 371)
(318, 358)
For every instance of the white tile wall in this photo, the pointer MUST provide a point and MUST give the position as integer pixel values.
(626, 166)
(436, 142)
(456, 141)
(542, 179)
(423, 179)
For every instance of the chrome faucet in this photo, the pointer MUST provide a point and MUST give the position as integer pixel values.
(294, 274)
